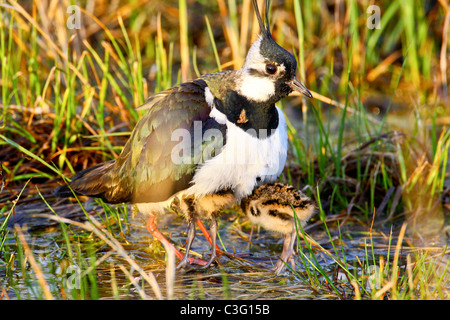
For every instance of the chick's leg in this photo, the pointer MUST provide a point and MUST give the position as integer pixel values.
(185, 263)
(213, 231)
(287, 255)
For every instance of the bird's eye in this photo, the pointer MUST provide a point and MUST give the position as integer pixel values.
(271, 68)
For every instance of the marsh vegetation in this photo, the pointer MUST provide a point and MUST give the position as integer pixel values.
(371, 148)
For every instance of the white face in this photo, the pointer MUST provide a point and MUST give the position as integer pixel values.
(257, 83)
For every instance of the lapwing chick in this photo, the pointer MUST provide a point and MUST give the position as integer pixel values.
(201, 138)
(278, 207)
(208, 207)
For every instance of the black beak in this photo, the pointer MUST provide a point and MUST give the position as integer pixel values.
(299, 87)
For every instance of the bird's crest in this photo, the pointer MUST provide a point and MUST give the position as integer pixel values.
(263, 23)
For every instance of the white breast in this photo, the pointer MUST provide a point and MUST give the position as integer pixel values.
(243, 159)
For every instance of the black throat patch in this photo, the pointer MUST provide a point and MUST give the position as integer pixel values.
(260, 119)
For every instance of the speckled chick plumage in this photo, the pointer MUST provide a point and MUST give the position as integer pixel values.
(277, 207)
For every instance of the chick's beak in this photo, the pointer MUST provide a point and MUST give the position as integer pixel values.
(299, 87)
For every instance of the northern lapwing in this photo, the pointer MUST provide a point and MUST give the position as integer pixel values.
(203, 145)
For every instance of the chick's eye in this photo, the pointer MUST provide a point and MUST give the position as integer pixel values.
(271, 68)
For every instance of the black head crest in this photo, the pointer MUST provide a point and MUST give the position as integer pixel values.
(263, 24)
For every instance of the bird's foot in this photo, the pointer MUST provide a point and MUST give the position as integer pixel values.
(187, 264)
(211, 260)
(282, 262)
(279, 267)
(197, 261)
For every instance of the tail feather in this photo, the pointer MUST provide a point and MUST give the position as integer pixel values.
(97, 181)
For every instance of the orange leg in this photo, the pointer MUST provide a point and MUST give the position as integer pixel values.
(153, 229)
(207, 235)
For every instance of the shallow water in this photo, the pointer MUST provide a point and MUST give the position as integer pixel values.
(249, 277)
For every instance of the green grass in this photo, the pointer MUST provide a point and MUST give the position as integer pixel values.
(68, 102)
(421, 275)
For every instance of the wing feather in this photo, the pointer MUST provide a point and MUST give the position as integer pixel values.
(145, 170)
(146, 161)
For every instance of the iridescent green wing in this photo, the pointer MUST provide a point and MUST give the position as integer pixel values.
(162, 153)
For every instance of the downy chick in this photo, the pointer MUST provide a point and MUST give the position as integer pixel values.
(272, 206)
